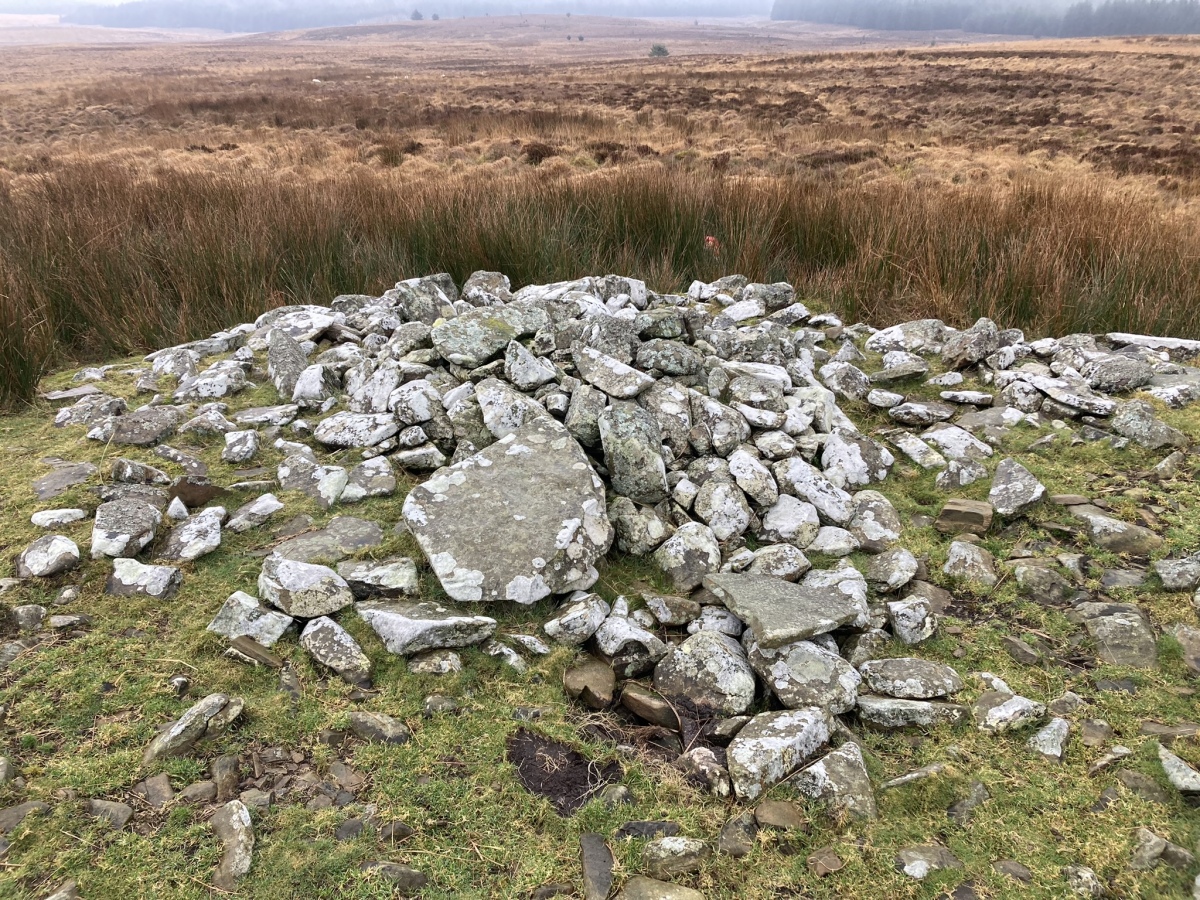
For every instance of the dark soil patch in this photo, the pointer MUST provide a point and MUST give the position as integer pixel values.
(563, 776)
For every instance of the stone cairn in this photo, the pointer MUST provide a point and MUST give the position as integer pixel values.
(557, 421)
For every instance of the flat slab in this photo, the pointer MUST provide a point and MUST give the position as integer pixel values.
(520, 520)
(780, 612)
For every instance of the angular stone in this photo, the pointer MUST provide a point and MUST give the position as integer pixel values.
(243, 616)
(537, 489)
(123, 528)
(791, 521)
(341, 537)
(386, 578)
(666, 857)
(332, 646)
(130, 578)
(610, 375)
(577, 619)
(232, 826)
(840, 779)
(195, 537)
(972, 564)
(370, 478)
(1182, 776)
(597, 862)
(689, 555)
(591, 681)
(1121, 632)
(47, 556)
(911, 679)
(632, 441)
(302, 589)
(998, 711)
(888, 713)
(772, 746)
(804, 674)
(1136, 421)
(710, 672)
(1050, 741)
(407, 628)
(806, 482)
(348, 429)
(780, 612)
(373, 726)
(919, 862)
(205, 717)
(1115, 535)
(641, 888)
(1014, 489)
(969, 516)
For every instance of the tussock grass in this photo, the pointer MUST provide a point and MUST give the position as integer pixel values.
(98, 259)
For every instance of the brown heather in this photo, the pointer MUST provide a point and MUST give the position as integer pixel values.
(156, 194)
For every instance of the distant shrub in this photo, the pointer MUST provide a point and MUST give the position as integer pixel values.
(416, 15)
(435, 17)
(659, 50)
(581, 39)
(538, 152)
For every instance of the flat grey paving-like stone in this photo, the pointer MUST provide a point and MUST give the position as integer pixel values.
(1121, 632)
(1115, 535)
(920, 862)
(407, 628)
(911, 679)
(343, 536)
(56, 518)
(520, 520)
(610, 375)
(781, 612)
(639, 887)
(361, 430)
(64, 476)
(254, 513)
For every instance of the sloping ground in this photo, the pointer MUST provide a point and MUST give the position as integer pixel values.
(430, 785)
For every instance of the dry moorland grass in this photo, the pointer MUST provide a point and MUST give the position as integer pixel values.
(185, 186)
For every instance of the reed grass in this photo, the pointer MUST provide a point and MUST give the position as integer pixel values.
(99, 259)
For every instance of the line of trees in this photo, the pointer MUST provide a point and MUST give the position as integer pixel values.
(1080, 19)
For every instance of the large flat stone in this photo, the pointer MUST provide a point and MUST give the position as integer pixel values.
(780, 612)
(520, 520)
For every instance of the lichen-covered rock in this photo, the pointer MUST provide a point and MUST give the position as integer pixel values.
(407, 628)
(709, 672)
(332, 646)
(688, 555)
(131, 578)
(804, 674)
(632, 442)
(840, 779)
(123, 528)
(207, 717)
(771, 746)
(911, 679)
(48, 556)
(243, 616)
(1014, 489)
(533, 489)
(302, 589)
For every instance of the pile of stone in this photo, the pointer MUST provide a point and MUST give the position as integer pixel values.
(706, 431)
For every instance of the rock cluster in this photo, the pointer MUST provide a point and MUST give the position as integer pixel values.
(710, 432)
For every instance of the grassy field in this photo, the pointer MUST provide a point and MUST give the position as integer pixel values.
(82, 710)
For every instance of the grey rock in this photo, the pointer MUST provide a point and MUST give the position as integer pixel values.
(610, 375)
(254, 513)
(689, 555)
(996, 712)
(781, 613)
(47, 556)
(887, 713)
(243, 616)
(332, 646)
(920, 862)
(371, 478)
(797, 522)
(632, 439)
(911, 679)
(232, 826)
(116, 814)
(341, 537)
(1084, 882)
(806, 482)
(407, 628)
(971, 563)
(1115, 535)
(1050, 741)
(891, 570)
(803, 674)
(123, 528)
(131, 578)
(207, 717)
(641, 888)
(386, 578)
(669, 856)
(913, 619)
(1121, 632)
(772, 746)
(710, 672)
(840, 780)
(302, 589)
(1182, 776)
(373, 726)
(597, 862)
(578, 619)
(195, 537)
(1014, 489)
(537, 489)
(1136, 421)
(349, 429)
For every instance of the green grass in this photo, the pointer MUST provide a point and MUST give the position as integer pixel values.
(83, 710)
